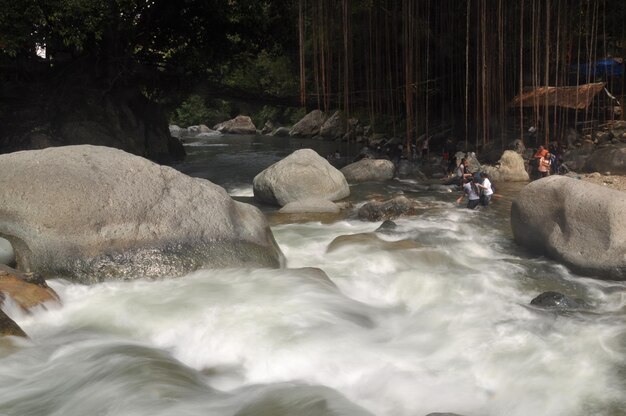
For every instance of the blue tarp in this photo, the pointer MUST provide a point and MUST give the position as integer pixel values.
(599, 69)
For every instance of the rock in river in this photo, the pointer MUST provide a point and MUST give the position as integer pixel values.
(575, 222)
(89, 213)
(303, 175)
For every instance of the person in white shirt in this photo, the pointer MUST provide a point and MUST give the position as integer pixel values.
(486, 189)
(471, 190)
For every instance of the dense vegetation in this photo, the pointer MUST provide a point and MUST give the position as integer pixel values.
(404, 66)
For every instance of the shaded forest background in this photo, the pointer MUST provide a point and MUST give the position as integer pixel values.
(116, 72)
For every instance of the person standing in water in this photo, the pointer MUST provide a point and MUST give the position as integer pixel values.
(471, 190)
(486, 189)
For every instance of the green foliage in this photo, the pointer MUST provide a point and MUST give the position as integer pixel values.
(279, 115)
(268, 73)
(194, 111)
(295, 114)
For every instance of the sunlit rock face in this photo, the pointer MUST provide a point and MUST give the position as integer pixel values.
(303, 175)
(90, 213)
(578, 223)
(509, 169)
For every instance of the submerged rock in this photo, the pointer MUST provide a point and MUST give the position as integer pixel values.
(443, 414)
(388, 210)
(8, 327)
(26, 289)
(90, 213)
(575, 222)
(310, 205)
(370, 239)
(291, 400)
(300, 176)
(387, 226)
(555, 300)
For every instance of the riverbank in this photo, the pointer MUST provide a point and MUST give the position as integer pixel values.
(617, 182)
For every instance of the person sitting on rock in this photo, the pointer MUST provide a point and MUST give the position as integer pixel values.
(471, 190)
(463, 170)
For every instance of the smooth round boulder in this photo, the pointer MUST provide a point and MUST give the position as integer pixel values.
(574, 222)
(369, 170)
(302, 175)
(511, 168)
(89, 213)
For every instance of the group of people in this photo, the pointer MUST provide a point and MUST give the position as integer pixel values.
(476, 186)
(544, 162)
(478, 189)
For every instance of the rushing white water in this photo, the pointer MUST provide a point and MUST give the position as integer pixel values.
(439, 322)
(442, 326)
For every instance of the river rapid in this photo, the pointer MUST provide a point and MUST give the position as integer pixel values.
(433, 316)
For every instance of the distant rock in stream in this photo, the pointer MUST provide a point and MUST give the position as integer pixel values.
(303, 175)
(238, 125)
(369, 170)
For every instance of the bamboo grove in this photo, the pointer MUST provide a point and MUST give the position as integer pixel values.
(425, 63)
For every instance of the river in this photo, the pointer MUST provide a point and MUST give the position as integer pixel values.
(431, 317)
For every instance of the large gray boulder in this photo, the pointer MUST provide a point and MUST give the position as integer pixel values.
(302, 175)
(309, 126)
(510, 168)
(369, 170)
(575, 222)
(91, 213)
(608, 159)
(238, 125)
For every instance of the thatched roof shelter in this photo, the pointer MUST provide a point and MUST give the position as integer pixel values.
(577, 97)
